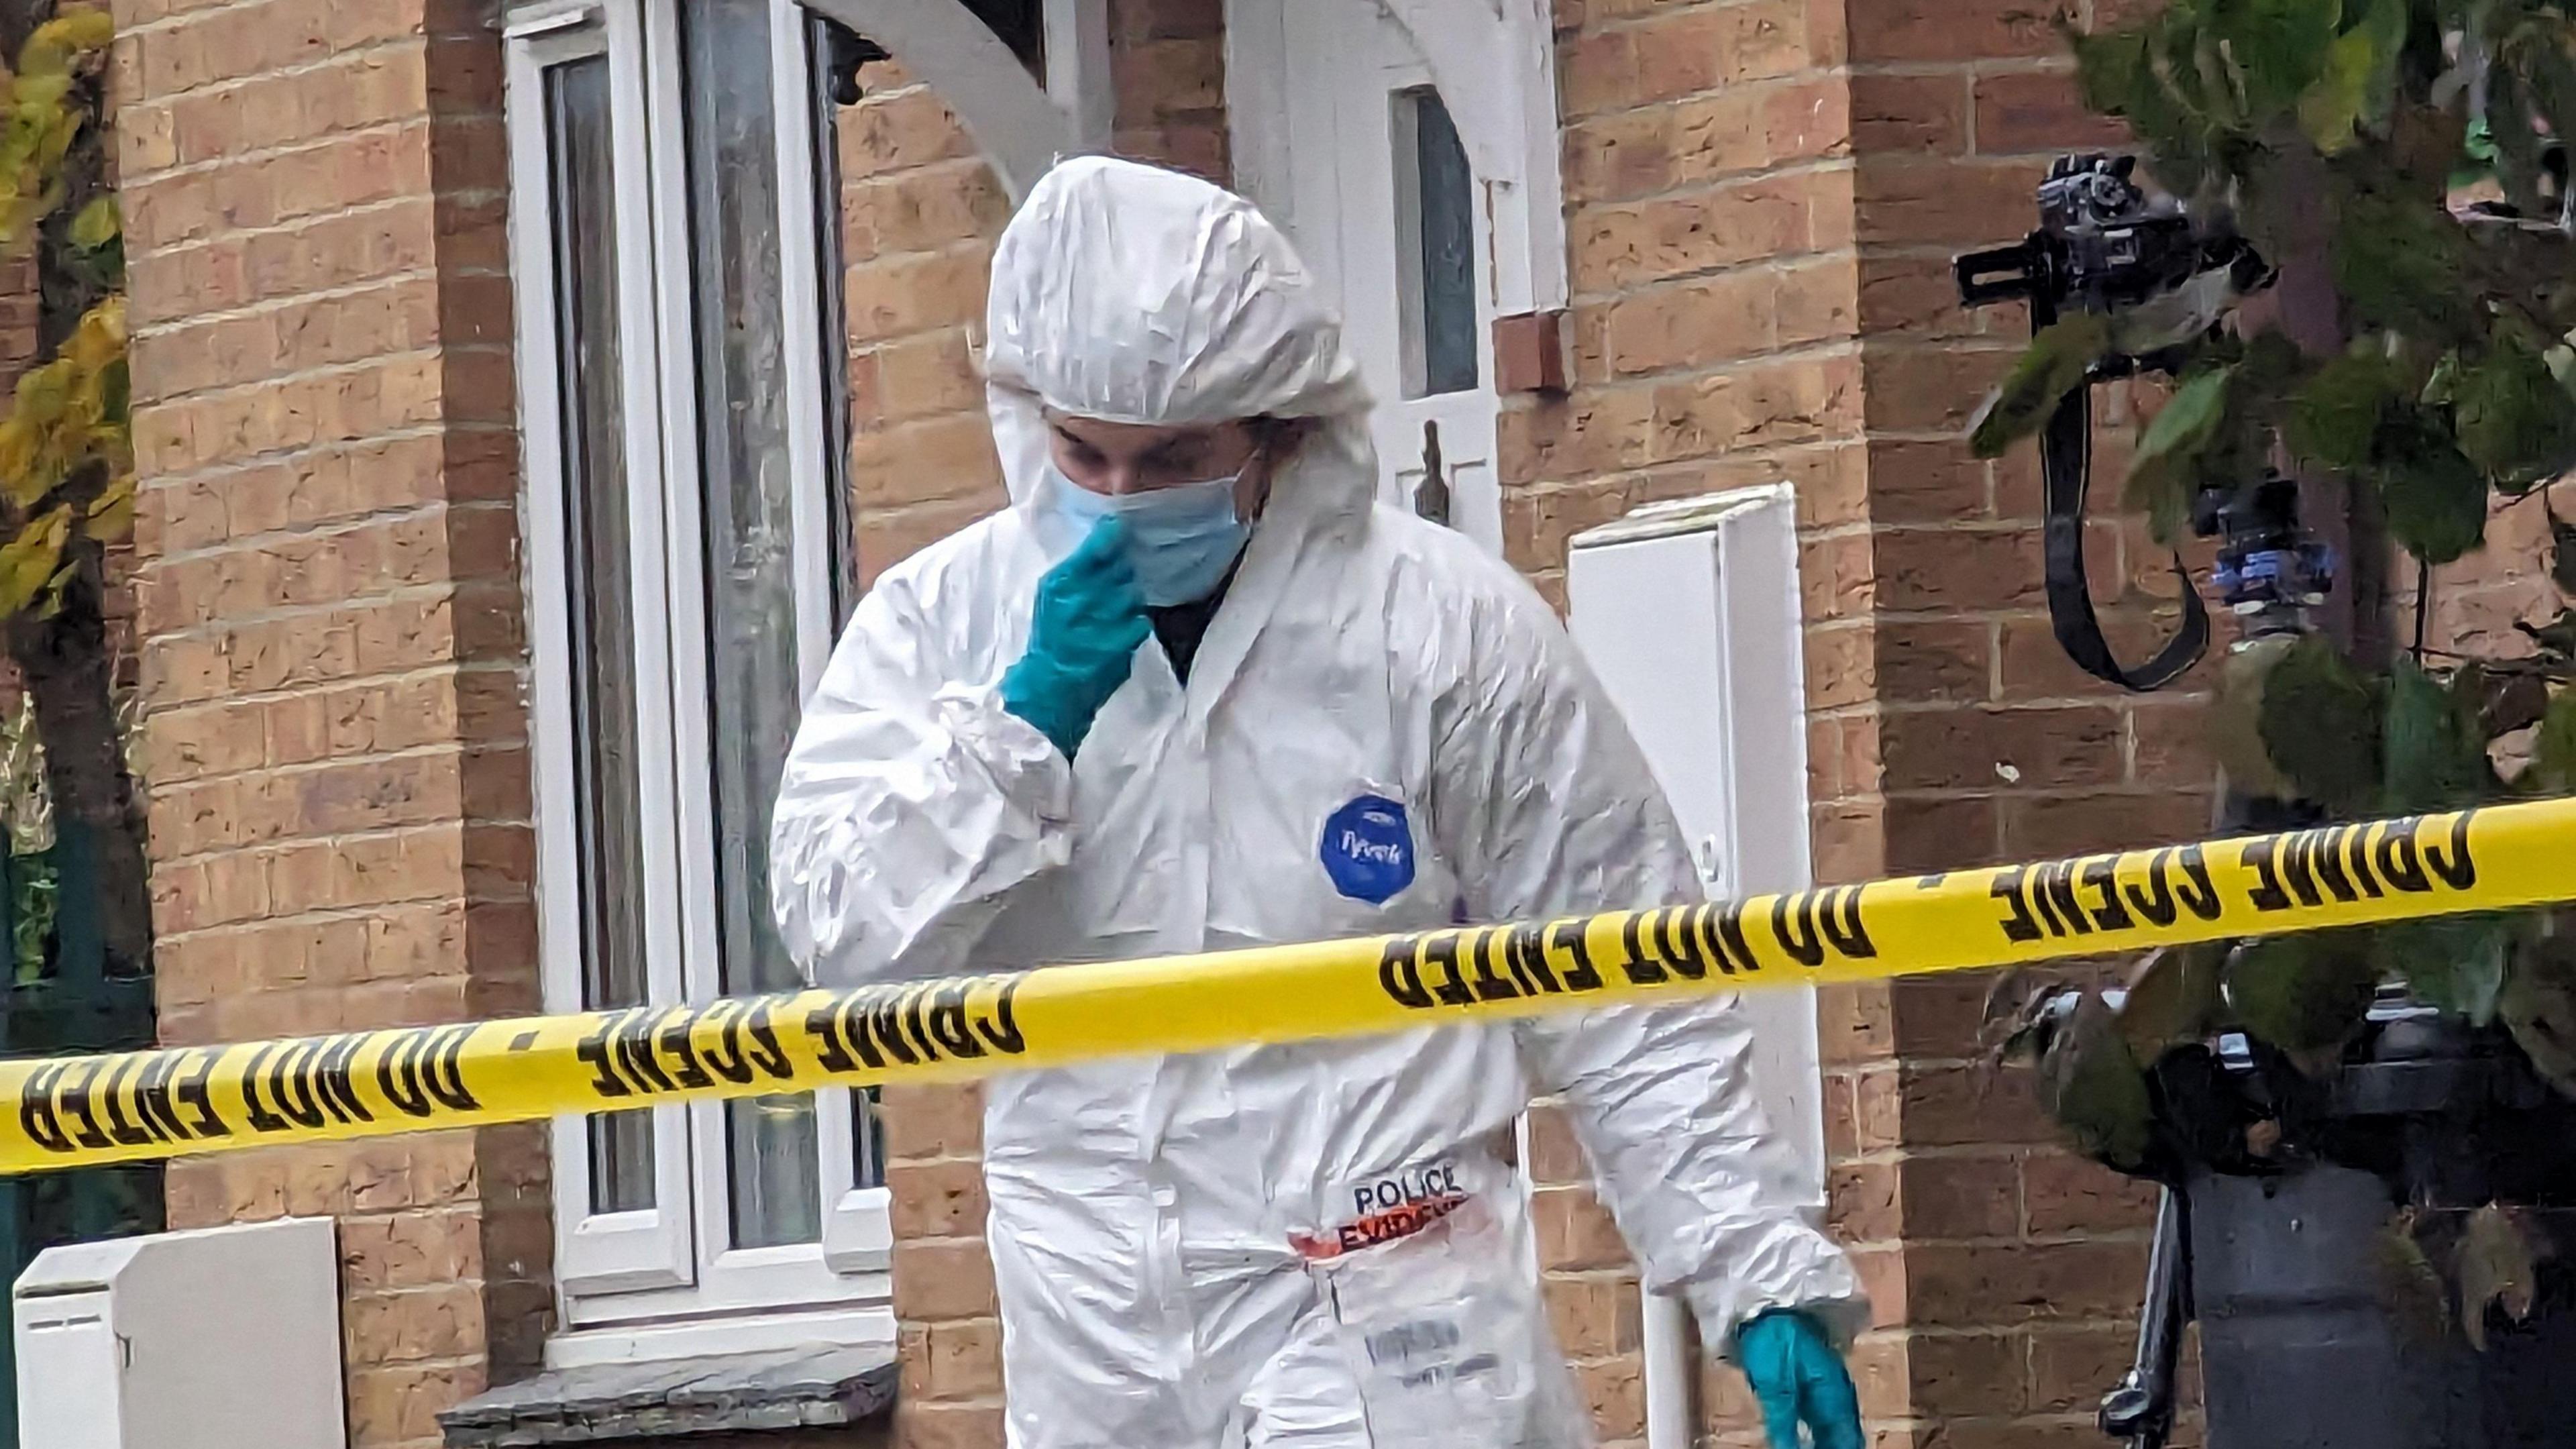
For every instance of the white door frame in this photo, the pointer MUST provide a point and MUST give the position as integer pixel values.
(1494, 63)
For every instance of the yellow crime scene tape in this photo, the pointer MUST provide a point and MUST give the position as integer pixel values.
(76, 1111)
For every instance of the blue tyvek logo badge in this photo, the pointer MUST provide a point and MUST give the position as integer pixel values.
(1367, 849)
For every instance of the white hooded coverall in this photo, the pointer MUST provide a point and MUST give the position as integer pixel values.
(1384, 729)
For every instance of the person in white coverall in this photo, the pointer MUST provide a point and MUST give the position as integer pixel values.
(1194, 690)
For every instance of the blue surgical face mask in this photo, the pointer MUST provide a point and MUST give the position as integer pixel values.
(1180, 539)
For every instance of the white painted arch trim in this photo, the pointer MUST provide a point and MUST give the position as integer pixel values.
(1021, 127)
(1494, 63)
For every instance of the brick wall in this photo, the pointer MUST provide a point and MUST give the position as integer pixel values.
(1765, 197)
(330, 630)
(1717, 296)
(2015, 1268)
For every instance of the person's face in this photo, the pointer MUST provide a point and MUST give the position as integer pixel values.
(1121, 458)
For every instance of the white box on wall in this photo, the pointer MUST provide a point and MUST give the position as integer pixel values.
(1689, 613)
(220, 1338)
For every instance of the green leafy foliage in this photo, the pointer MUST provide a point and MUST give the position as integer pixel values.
(2334, 417)
(2174, 997)
(2236, 720)
(2166, 468)
(2435, 379)
(2304, 994)
(2512, 416)
(2553, 750)
(2051, 367)
(2454, 962)
(2091, 1084)
(2434, 751)
(2353, 88)
(66, 441)
(2538, 1003)
(2320, 723)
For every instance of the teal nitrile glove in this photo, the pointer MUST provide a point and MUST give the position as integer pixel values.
(1083, 636)
(1799, 1379)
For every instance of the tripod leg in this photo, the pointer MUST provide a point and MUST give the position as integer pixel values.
(2140, 1410)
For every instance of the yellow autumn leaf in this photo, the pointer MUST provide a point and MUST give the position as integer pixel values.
(18, 446)
(97, 224)
(58, 42)
(37, 100)
(99, 338)
(111, 514)
(45, 391)
(21, 221)
(50, 601)
(112, 443)
(29, 560)
(44, 471)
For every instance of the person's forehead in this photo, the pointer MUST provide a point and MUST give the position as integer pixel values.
(1123, 437)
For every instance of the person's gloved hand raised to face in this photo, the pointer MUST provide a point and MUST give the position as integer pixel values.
(1799, 1378)
(1156, 533)
(1083, 636)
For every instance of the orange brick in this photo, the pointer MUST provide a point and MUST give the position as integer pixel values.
(400, 1404)
(1971, 1373)
(189, 744)
(1854, 1023)
(1947, 1197)
(1862, 1202)
(1763, 403)
(928, 374)
(888, 538)
(1615, 1391)
(946, 1279)
(2025, 1283)
(938, 1199)
(1919, 30)
(439, 1321)
(1931, 200)
(963, 1360)
(1575, 1232)
(1555, 1155)
(933, 459)
(1949, 569)
(2024, 112)
(1926, 661)
(1697, 322)
(1738, 222)
(1895, 114)
(1594, 1316)
(2072, 745)
(948, 1426)
(2066, 1194)
(899, 295)
(932, 1121)
(2048, 826)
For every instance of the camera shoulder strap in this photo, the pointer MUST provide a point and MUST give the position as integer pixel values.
(2065, 450)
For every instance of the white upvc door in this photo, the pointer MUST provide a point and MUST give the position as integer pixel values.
(1345, 142)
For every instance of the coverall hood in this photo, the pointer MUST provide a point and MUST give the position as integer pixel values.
(1138, 295)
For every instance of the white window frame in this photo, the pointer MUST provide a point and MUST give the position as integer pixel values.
(665, 1280)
